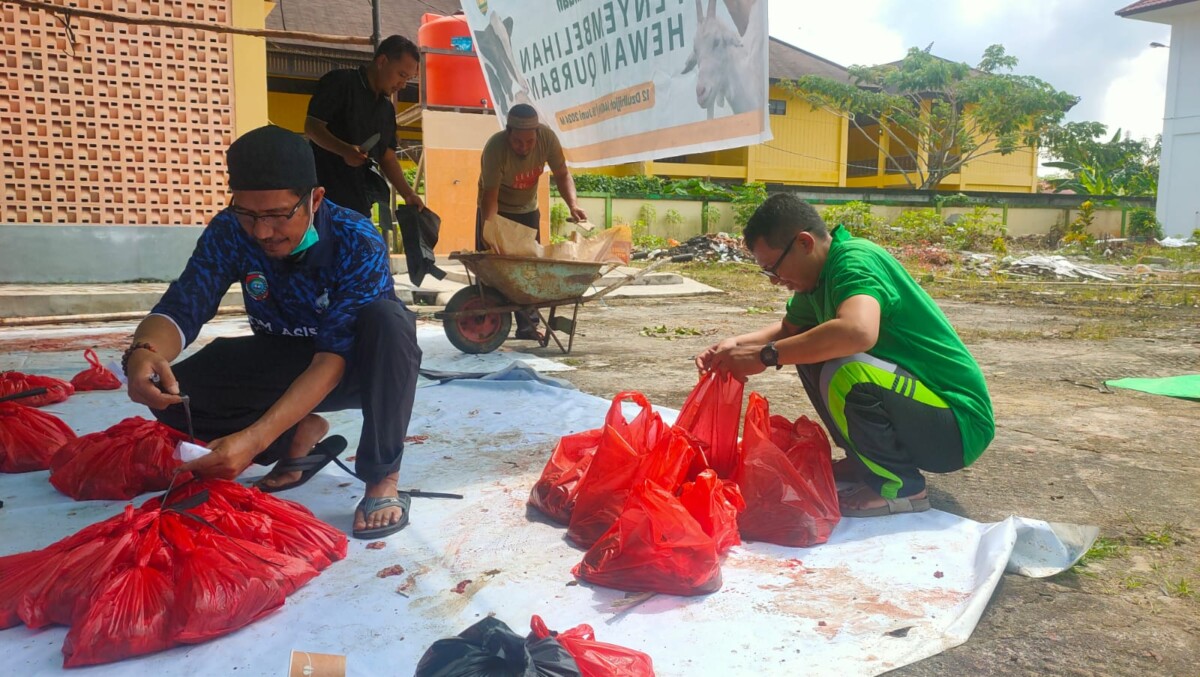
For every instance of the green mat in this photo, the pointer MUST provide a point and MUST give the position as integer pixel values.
(1185, 387)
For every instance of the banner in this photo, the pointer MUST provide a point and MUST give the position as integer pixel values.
(628, 80)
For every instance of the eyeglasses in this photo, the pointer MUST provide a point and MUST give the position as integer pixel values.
(772, 272)
(249, 219)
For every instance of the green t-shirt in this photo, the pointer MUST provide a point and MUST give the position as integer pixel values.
(518, 176)
(913, 331)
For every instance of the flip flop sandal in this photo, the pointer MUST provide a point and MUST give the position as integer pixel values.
(318, 457)
(894, 506)
(529, 335)
(370, 505)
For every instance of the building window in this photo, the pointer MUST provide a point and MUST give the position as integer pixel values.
(777, 107)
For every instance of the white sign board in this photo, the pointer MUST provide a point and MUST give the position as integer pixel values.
(627, 80)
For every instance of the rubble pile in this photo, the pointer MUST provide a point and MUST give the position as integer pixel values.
(708, 248)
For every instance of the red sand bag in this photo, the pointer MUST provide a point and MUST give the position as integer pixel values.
(13, 382)
(596, 659)
(783, 506)
(616, 470)
(96, 377)
(656, 546)
(29, 438)
(715, 503)
(130, 613)
(133, 457)
(711, 413)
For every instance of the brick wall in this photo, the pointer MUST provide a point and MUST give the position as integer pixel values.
(128, 126)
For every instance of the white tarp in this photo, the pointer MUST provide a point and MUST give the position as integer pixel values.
(628, 80)
(880, 594)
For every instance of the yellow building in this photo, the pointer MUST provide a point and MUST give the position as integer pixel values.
(810, 147)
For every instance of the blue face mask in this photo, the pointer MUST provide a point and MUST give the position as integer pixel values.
(310, 237)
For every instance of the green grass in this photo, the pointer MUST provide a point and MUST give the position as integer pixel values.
(664, 332)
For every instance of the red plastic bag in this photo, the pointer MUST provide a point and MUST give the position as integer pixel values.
(618, 468)
(711, 414)
(715, 503)
(596, 659)
(555, 491)
(132, 457)
(96, 377)
(13, 382)
(784, 505)
(29, 438)
(131, 610)
(156, 576)
(655, 545)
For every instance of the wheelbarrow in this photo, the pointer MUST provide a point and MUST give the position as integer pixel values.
(478, 318)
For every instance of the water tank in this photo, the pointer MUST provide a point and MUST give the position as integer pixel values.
(451, 79)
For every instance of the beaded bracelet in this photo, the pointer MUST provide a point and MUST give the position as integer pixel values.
(130, 350)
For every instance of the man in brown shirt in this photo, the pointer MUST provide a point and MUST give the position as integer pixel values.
(513, 160)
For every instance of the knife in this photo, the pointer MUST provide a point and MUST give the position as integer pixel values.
(370, 143)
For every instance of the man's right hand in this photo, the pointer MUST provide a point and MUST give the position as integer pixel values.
(144, 365)
(704, 361)
(354, 156)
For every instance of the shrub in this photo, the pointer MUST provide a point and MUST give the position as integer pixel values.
(857, 218)
(1077, 230)
(746, 201)
(977, 230)
(558, 217)
(919, 226)
(712, 218)
(1144, 224)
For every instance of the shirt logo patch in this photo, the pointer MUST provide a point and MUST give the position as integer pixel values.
(256, 285)
(322, 302)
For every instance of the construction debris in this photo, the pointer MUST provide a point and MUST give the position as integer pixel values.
(1053, 266)
(707, 248)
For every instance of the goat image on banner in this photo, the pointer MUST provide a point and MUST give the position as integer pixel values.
(629, 80)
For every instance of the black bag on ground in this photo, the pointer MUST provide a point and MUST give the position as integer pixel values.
(491, 649)
(419, 233)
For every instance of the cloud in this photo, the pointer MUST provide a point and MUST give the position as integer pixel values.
(1078, 46)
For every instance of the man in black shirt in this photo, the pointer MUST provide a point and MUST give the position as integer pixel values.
(351, 107)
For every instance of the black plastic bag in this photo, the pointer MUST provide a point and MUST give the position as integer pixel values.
(491, 649)
(419, 232)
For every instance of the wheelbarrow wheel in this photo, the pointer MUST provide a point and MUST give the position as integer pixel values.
(476, 334)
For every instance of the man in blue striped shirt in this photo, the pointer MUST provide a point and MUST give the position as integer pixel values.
(328, 334)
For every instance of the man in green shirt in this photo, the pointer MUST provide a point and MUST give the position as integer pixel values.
(513, 160)
(895, 386)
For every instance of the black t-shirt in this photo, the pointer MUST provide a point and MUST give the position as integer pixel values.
(353, 112)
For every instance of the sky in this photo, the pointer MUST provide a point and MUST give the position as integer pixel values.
(1079, 46)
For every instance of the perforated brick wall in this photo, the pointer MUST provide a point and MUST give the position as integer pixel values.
(128, 126)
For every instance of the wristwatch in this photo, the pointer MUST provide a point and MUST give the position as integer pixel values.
(769, 356)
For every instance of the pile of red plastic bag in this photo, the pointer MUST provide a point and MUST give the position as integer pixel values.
(216, 557)
(658, 505)
(14, 382)
(130, 458)
(29, 438)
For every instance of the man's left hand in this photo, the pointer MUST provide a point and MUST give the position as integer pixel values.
(229, 457)
(578, 214)
(740, 361)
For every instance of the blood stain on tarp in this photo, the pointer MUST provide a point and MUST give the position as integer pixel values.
(350, 458)
(65, 344)
(377, 545)
(394, 570)
(938, 574)
(416, 439)
(406, 587)
(462, 586)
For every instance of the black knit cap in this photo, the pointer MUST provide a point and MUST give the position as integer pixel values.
(270, 158)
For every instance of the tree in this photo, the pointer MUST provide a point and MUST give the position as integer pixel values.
(934, 115)
(1099, 165)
